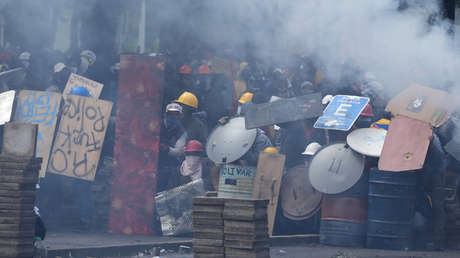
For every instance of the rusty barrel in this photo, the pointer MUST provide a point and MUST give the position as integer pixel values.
(344, 215)
(391, 209)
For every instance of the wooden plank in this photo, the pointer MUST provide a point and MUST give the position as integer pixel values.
(208, 201)
(42, 108)
(247, 244)
(267, 183)
(208, 249)
(208, 242)
(245, 214)
(244, 227)
(80, 137)
(208, 255)
(94, 88)
(406, 144)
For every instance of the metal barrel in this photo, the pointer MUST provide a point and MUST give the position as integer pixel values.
(391, 209)
(343, 216)
(236, 182)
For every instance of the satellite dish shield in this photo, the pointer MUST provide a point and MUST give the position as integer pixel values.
(335, 169)
(230, 142)
(367, 141)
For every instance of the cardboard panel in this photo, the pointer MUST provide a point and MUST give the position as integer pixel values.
(283, 110)
(140, 93)
(19, 139)
(79, 139)
(423, 103)
(267, 183)
(406, 144)
(94, 88)
(41, 108)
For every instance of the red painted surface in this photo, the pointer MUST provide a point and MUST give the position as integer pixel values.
(140, 93)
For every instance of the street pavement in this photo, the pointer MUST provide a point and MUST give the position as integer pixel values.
(321, 251)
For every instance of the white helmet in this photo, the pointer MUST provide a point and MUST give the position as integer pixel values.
(59, 67)
(89, 55)
(312, 148)
(24, 56)
(327, 99)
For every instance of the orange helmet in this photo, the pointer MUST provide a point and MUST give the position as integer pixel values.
(204, 69)
(185, 69)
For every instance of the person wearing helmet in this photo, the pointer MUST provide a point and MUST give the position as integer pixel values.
(271, 150)
(194, 127)
(24, 59)
(310, 151)
(59, 78)
(186, 78)
(244, 100)
(87, 59)
(195, 165)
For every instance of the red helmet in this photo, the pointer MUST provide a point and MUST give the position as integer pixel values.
(367, 111)
(194, 146)
(204, 69)
(185, 69)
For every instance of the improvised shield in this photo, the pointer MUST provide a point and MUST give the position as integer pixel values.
(230, 142)
(6, 106)
(335, 168)
(283, 110)
(299, 200)
(367, 141)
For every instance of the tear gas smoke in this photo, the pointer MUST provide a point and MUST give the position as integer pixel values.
(399, 47)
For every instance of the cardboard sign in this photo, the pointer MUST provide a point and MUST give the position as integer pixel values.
(267, 183)
(94, 88)
(80, 137)
(236, 182)
(342, 112)
(6, 106)
(41, 108)
(423, 103)
(283, 110)
(406, 144)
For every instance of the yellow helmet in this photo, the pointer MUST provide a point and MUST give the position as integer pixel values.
(246, 97)
(189, 99)
(271, 150)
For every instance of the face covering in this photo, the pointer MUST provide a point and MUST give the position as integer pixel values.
(192, 167)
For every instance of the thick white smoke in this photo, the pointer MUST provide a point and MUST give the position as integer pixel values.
(398, 47)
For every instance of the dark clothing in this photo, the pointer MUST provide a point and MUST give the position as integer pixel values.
(293, 142)
(260, 143)
(195, 129)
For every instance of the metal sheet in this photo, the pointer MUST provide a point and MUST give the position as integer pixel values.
(174, 208)
(367, 141)
(335, 168)
(299, 200)
(342, 112)
(283, 110)
(230, 142)
(6, 106)
(406, 144)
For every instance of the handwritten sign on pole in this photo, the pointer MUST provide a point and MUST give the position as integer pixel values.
(41, 108)
(93, 87)
(78, 143)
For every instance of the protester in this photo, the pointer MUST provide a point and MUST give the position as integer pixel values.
(194, 127)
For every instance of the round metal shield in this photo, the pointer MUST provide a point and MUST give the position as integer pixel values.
(367, 141)
(299, 200)
(335, 168)
(230, 142)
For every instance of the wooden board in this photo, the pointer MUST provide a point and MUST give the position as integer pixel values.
(406, 144)
(78, 143)
(283, 110)
(267, 183)
(94, 88)
(42, 108)
(423, 103)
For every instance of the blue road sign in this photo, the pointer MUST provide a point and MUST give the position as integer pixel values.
(342, 112)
